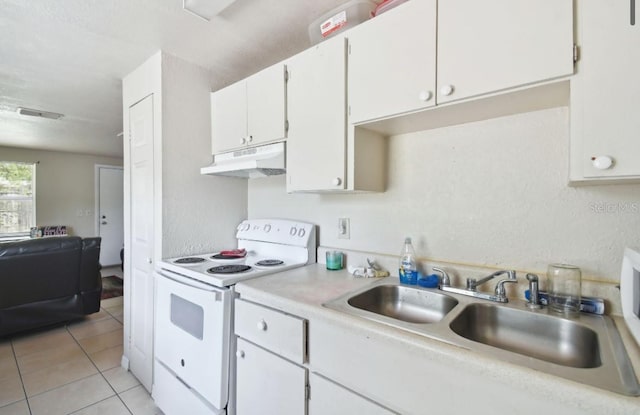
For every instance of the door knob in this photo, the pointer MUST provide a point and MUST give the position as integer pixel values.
(602, 162)
(424, 96)
(262, 325)
(446, 90)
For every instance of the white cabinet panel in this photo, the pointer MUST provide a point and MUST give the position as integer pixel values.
(281, 333)
(268, 384)
(392, 62)
(250, 112)
(492, 45)
(266, 96)
(316, 144)
(229, 117)
(328, 398)
(605, 93)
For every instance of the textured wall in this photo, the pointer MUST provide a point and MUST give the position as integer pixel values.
(489, 193)
(199, 213)
(65, 186)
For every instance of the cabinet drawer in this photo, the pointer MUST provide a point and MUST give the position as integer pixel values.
(276, 331)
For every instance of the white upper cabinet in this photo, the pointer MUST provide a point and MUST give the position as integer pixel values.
(605, 93)
(250, 112)
(266, 105)
(316, 145)
(229, 117)
(392, 62)
(491, 45)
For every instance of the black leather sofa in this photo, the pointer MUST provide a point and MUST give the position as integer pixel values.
(48, 280)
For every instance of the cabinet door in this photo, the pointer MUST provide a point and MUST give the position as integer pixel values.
(316, 143)
(268, 384)
(328, 398)
(487, 46)
(392, 67)
(229, 117)
(266, 104)
(606, 90)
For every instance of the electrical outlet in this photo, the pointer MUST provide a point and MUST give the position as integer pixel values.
(343, 228)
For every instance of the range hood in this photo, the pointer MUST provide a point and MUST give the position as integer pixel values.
(249, 163)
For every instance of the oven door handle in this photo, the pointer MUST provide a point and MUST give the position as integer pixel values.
(188, 282)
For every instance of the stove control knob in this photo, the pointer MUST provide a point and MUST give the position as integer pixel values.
(240, 354)
(293, 231)
(267, 228)
(301, 232)
(247, 227)
(262, 325)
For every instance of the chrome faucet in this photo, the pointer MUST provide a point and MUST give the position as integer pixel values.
(446, 281)
(499, 294)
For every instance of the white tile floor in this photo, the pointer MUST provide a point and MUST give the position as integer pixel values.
(73, 369)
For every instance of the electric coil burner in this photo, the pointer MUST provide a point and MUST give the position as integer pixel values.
(189, 260)
(229, 269)
(269, 263)
(224, 257)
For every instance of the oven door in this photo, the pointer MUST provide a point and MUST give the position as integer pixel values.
(192, 335)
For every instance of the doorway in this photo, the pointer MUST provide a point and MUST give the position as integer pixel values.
(109, 213)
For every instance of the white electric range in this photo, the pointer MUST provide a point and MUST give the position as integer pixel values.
(194, 349)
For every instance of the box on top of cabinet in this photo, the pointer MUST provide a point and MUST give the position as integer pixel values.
(339, 19)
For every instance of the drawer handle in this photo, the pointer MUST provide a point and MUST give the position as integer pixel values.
(262, 325)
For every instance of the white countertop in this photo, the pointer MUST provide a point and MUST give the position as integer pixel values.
(302, 291)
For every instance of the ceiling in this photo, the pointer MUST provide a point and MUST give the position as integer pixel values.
(69, 57)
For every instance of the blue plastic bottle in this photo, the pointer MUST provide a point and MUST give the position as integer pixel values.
(408, 271)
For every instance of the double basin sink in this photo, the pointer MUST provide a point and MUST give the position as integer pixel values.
(586, 349)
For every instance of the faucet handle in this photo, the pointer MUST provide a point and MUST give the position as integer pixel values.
(446, 281)
(500, 290)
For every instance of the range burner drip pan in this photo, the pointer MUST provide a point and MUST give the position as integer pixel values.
(269, 263)
(229, 269)
(189, 260)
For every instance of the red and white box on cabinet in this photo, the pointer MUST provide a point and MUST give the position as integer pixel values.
(341, 18)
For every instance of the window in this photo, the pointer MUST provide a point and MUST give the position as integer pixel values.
(17, 197)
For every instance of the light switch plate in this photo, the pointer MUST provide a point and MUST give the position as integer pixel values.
(343, 228)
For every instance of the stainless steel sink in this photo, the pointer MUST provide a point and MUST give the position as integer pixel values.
(404, 303)
(556, 340)
(587, 349)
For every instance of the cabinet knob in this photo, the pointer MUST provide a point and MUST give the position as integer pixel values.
(425, 96)
(149, 260)
(446, 90)
(243, 140)
(337, 181)
(262, 325)
(240, 354)
(250, 139)
(602, 162)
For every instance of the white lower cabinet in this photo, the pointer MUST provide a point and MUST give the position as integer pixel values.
(270, 352)
(328, 398)
(268, 384)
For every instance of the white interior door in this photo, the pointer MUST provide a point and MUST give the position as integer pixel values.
(110, 213)
(140, 283)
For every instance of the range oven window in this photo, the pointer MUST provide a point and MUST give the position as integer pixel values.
(187, 315)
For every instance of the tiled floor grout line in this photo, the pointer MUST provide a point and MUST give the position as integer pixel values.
(24, 390)
(99, 371)
(27, 398)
